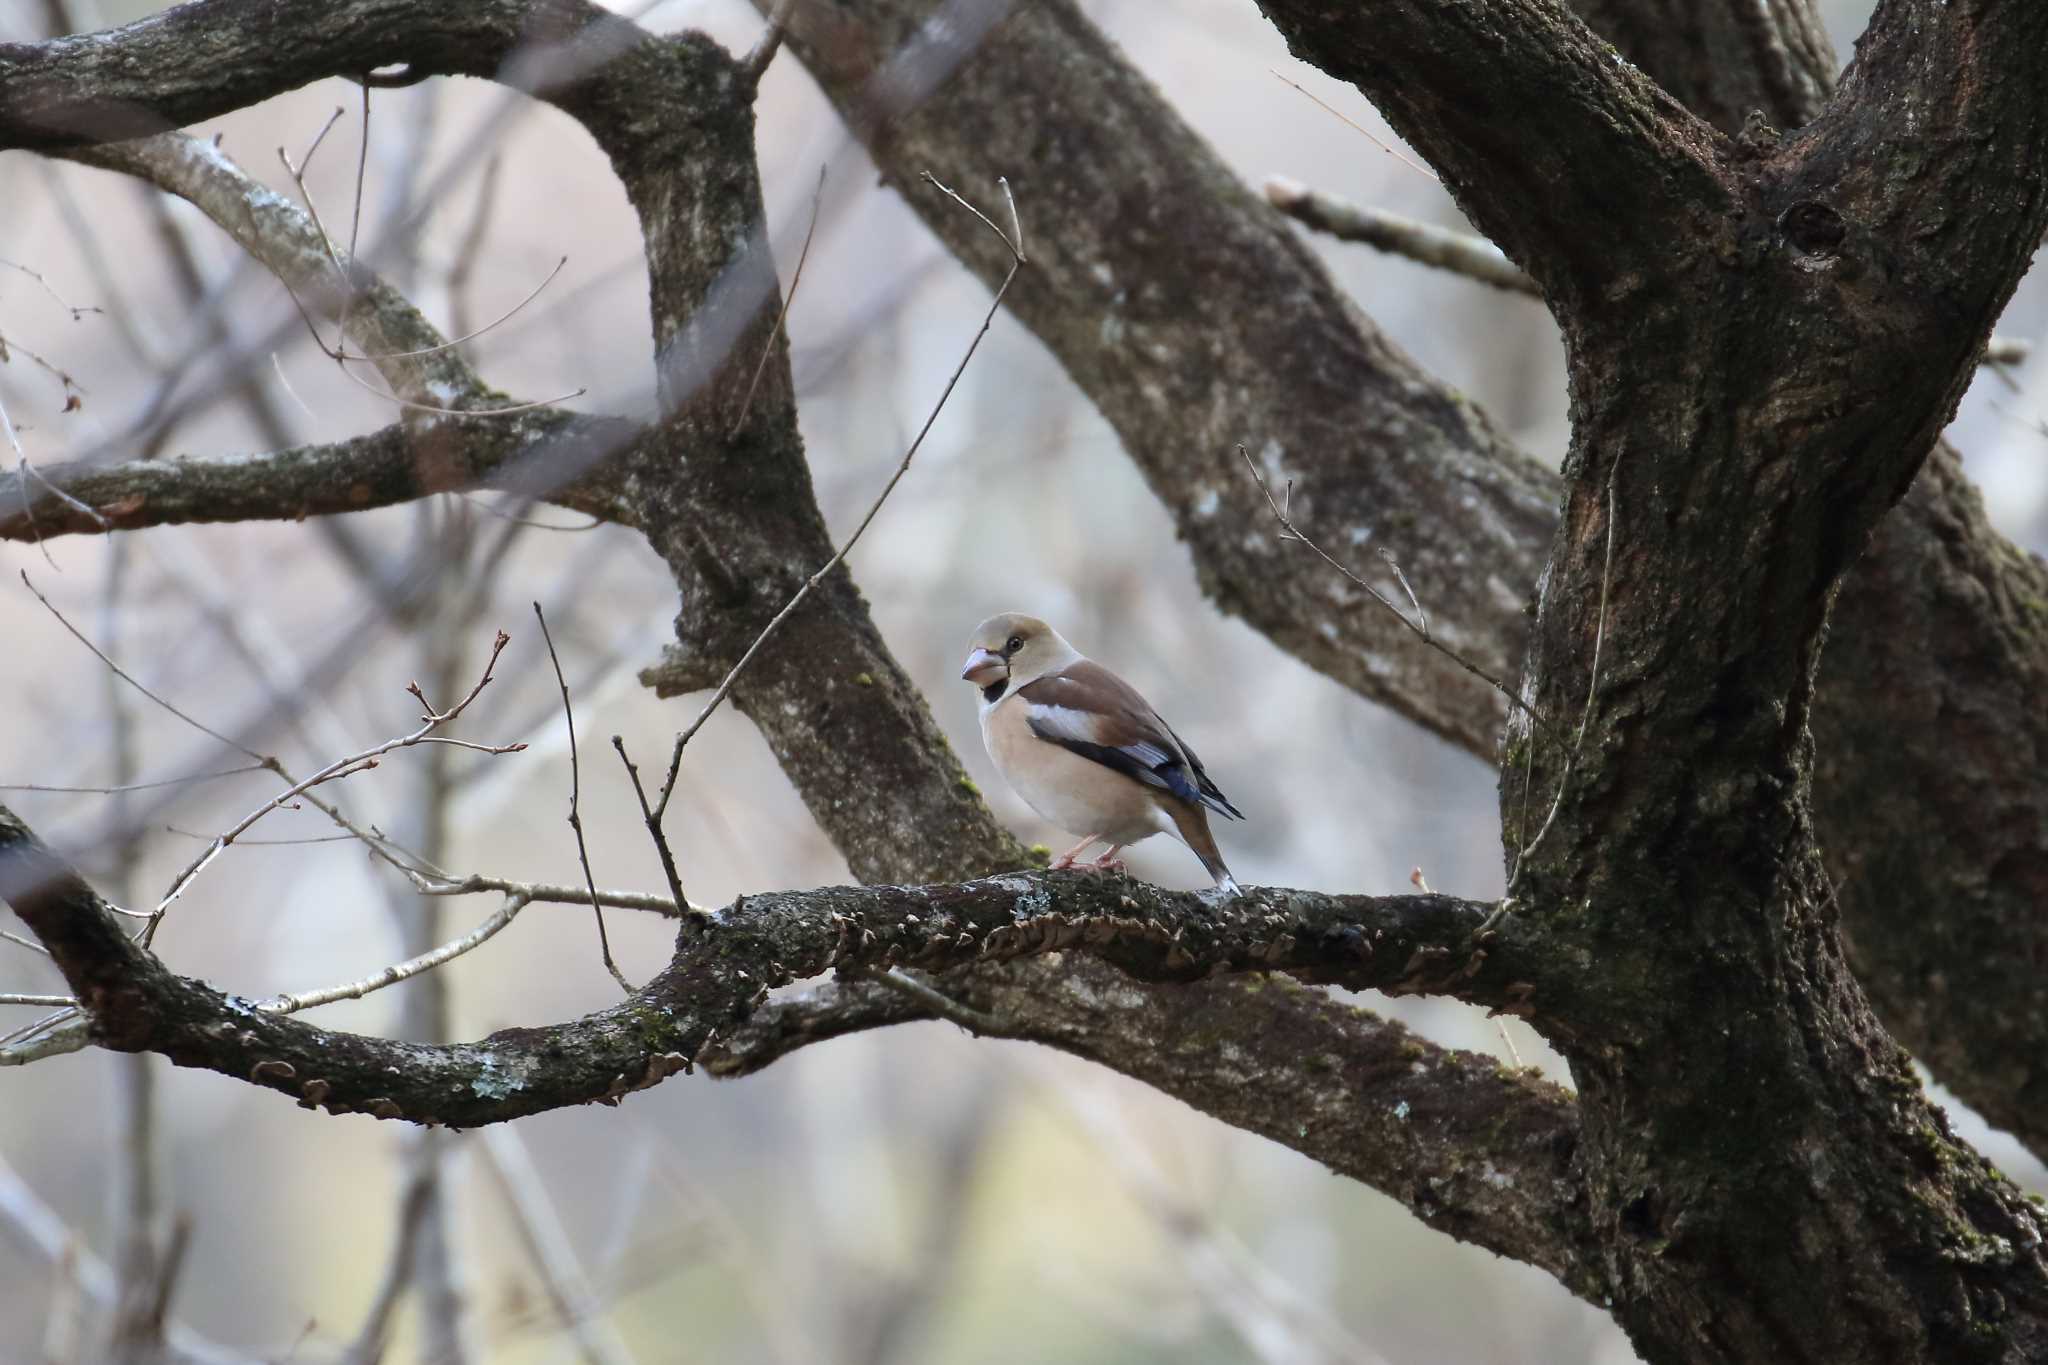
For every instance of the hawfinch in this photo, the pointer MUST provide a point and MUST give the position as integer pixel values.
(1084, 750)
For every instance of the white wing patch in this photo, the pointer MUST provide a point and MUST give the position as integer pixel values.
(1069, 724)
(1064, 722)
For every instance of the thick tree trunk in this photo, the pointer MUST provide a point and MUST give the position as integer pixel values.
(1763, 346)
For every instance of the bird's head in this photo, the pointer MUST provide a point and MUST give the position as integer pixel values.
(1013, 649)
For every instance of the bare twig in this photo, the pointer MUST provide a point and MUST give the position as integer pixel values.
(1464, 253)
(340, 353)
(941, 1005)
(1374, 138)
(18, 941)
(73, 391)
(654, 830)
(16, 998)
(125, 676)
(27, 471)
(399, 971)
(604, 942)
(1592, 686)
(76, 311)
(349, 292)
(755, 64)
(781, 319)
(1419, 627)
(127, 787)
(546, 892)
(339, 768)
(1014, 241)
(21, 1039)
(1458, 252)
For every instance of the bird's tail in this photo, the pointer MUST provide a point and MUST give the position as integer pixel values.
(1191, 824)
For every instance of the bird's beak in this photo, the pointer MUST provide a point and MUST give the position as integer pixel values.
(984, 667)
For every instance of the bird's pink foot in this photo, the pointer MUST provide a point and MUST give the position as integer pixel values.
(1109, 862)
(1066, 860)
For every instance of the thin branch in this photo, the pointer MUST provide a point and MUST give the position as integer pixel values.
(654, 830)
(125, 676)
(24, 471)
(1014, 241)
(1458, 252)
(1465, 253)
(350, 291)
(74, 392)
(46, 1001)
(135, 786)
(1592, 687)
(18, 941)
(76, 311)
(1370, 136)
(442, 409)
(51, 1036)
(547, 892)
(339, 768)
(943, 1006)
(341, 353)
(1421, 630)
(781, 318)
(400, 971)
(357, 473)
(755, 64)
(270, 843)
(604, 942)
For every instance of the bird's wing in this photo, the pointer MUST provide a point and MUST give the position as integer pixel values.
(1090, 711)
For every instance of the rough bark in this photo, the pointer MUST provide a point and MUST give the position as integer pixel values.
(1724, 59)
(393, 465)
(1930, 738)
(1749, 398)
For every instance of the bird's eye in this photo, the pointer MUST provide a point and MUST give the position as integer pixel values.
(1016, 643)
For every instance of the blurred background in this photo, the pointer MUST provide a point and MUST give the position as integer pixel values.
(905, 1196)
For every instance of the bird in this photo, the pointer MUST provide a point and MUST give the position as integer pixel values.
(1085, 750)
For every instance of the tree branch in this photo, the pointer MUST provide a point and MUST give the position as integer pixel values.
(1398, 944)
(1473, 1149)
(1597, 184)
(396, 464)
(140, 79)
(1458, 252)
